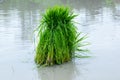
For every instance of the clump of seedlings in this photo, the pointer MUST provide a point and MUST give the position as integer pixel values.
(58, 37)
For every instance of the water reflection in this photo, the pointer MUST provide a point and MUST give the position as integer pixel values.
(29, 20)
(90, 8)
(90, 11)
(68, 71)
(1, 1)
(99, 18)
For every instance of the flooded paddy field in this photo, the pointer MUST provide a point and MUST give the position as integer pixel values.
(100, 19)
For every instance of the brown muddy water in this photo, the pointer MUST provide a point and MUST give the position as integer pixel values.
(98, 18)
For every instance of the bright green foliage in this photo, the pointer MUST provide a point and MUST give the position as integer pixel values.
(58, 38)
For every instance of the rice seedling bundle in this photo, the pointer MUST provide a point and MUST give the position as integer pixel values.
(58, 37)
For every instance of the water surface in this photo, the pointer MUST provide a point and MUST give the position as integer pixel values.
(98, 18)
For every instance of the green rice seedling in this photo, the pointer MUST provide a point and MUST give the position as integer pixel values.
(58, 37)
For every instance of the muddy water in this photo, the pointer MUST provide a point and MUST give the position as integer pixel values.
(99, 18)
